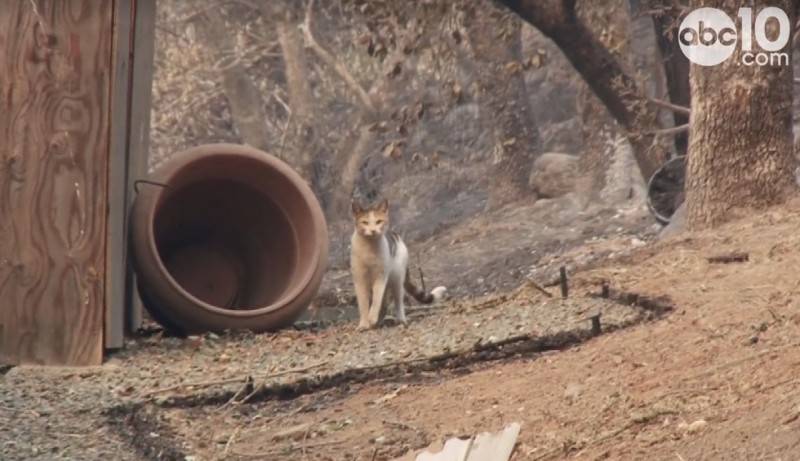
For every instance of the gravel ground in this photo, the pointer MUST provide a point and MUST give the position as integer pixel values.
(56, 413)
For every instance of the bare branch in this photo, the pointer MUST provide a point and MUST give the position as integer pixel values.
(331, 60)
(671, 131)
(282, 102)
(671, 106)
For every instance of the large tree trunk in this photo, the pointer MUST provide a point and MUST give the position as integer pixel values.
(618, 90)
(496, 40)
(740, 142)
(299, 139)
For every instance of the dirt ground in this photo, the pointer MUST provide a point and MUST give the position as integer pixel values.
(717, 379)
(713, 379)
(497, 251)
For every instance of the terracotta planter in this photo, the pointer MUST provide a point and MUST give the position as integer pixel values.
(235, 239)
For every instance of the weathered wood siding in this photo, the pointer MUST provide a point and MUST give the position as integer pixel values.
(55, 80)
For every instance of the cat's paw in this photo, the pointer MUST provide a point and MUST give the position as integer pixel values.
(362, 326)
(373, 320)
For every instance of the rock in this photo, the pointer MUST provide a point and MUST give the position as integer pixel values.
(562, 136)
(554, 174)
(694, 427)
(573, 391)
(677, 223)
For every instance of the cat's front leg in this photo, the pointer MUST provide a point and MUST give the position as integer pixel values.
(362, 289)
(378, 292)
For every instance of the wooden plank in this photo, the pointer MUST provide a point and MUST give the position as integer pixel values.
(54, 144)
(141, 96)
(117, 173)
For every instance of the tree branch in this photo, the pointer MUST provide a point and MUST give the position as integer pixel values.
(671, 106)
(604, 74)
(669, 131)
(330, 60)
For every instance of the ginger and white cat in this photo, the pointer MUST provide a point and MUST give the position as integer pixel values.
(379, 264)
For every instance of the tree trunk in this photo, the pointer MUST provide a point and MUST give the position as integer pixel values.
(610, 21)
(374, 106)
(496, 40)
(740, 142)
(619, 92)
(244, 98)
(299, 139)
(676, 71)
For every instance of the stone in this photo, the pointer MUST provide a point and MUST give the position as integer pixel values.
(554, 174)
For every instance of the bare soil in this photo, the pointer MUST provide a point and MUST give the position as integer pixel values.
(714, 379)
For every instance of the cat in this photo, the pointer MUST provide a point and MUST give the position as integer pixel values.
(379, 266)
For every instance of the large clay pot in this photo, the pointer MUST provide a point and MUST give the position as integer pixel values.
(234, 239)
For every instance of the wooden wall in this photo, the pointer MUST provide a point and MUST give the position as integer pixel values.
(55, 87)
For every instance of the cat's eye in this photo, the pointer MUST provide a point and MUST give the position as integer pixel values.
(364, 223)
(379, 222)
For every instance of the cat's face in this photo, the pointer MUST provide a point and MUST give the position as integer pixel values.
(371, 222)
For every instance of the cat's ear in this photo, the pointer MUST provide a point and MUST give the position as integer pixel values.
(356, 208)
(383, 207)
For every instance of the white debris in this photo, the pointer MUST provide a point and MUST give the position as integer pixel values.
(483, 447)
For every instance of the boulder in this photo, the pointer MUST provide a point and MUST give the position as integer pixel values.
(554, 174)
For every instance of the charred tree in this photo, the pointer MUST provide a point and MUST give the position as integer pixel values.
(604, 74)
(244, 98)
(372, 101)
(299, 138)
(676, 71)
(496, 40)
(610, 21)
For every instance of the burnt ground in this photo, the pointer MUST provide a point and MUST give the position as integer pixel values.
(496, 252)
(715, 378)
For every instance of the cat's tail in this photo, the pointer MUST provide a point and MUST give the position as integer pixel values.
(435, 295)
